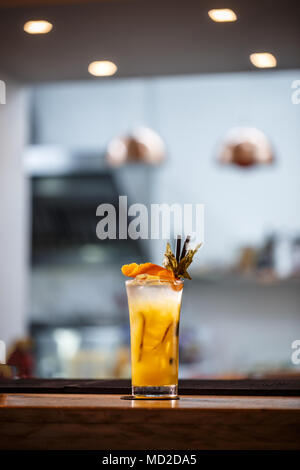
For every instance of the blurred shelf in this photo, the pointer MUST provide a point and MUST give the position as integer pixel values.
(232, 279)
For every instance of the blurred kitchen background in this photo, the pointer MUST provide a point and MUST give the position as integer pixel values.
(187, 118)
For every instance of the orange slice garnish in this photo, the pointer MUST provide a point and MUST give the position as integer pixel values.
(134, 269)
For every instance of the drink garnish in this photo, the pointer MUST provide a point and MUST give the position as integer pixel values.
(174, 267)
(178, 265)
(148, 269)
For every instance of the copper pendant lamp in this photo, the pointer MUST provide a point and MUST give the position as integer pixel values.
(143, 145)
(245, 147)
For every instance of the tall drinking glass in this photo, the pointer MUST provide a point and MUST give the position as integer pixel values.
(154, 312)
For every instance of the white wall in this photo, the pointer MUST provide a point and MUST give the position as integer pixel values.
(13, 241)
(87, 115)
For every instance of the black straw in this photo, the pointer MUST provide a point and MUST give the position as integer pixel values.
(178, 248)
(184, 249)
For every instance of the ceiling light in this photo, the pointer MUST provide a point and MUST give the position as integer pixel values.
(263, 60)
(102, 68)
(221, 15)
(38, 27)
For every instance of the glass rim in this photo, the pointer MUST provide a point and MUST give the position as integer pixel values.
(151, 282)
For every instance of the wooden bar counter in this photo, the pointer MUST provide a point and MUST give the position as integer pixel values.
(106, 421)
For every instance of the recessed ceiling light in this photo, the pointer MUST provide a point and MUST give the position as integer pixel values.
(102, 68)
(222, 15)
(263, 60)
(38, 27)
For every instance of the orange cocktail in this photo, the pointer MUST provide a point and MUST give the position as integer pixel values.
(154, 300)
(154, 311)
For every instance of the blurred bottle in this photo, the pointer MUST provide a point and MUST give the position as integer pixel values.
(21, 357)
(296, 256)
(283, 262)
(266, 253)
(6, 372)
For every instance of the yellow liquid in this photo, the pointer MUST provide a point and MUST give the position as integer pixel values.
(154, 324)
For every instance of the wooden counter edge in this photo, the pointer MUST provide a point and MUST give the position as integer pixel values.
(215, 423)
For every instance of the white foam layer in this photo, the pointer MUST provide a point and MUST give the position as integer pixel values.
(146, 279)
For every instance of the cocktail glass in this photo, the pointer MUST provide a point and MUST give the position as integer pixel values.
(154, 311)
